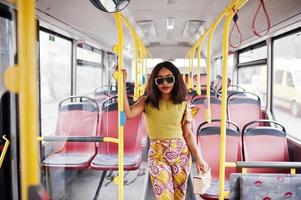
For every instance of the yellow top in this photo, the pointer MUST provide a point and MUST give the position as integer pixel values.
(166, 123)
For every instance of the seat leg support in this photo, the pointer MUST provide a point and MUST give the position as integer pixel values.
(100, 184)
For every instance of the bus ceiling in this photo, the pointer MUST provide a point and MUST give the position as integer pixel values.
(169, 28)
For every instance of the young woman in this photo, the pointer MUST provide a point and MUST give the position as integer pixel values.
(168, 126)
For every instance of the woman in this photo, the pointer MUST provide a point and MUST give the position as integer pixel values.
(168, 126)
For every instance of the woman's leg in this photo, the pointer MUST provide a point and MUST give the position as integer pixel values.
(160, 172)
(180, 169)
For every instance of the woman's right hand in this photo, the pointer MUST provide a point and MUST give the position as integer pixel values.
(124, 74)
(201, 165)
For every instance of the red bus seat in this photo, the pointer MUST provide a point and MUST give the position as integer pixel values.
(247, 103)
(209, 141)
(134, 133)
(265, 143)
(200, 117)
(75, 119)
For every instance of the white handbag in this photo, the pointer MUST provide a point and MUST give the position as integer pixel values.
(201, 182)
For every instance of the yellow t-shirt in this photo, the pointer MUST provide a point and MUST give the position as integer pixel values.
(166, 123)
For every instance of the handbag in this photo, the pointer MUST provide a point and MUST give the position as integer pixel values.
(201, 183)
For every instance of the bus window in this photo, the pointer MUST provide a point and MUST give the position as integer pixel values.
(55, 64)
(253, 54)
(89, 64)
(287, 81)
(253, 79)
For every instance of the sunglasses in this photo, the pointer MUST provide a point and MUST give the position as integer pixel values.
(160, 80)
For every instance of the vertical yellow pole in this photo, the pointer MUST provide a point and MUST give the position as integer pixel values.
(144, 70)
(229, 15)
(136, 47)
(211, 31)
(198, 78)
(190, 78)
(27, 95)
(224, 108)
(136, 90)
(192, 53)
(199, 46)
(121, 115)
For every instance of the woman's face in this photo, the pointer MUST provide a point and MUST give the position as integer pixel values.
(165, 81)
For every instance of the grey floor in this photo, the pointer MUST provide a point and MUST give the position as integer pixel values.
(83, 186)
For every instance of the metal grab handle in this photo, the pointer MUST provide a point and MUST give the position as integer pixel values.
(3, 153)
(264, 164)
(77, 139)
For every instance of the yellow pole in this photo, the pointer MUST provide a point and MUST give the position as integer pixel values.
(224, 107)
(143, 71)
(211, 31)
(191, 56)
(121, 116)
(188, 56)
(136, 42)
(236, 4)
(27, 95)
(199, 46)
(4, 150)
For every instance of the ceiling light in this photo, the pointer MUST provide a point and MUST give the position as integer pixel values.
(170, 1)
(147, 27)
(192, 27)
(170, 22)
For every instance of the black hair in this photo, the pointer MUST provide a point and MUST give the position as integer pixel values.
(179, 91)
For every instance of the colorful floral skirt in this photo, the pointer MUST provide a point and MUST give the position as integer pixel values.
(169, 163)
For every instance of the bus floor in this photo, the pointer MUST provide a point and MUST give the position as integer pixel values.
(84, 185)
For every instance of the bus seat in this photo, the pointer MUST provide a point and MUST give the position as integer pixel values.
(209, 141)
(244, 103)
(264, 186)
(107, 155)
(200, 117)
(74, 119)
(265, 143)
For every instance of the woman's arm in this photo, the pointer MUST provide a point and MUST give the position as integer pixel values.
(137, 108)
(190, 139)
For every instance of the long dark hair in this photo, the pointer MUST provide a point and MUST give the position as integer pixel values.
(179, 91)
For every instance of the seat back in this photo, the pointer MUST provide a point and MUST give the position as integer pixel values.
(77, 119)
(200, 117)
(265, 143)
(247, 103)
(208, 138)
(108, 127)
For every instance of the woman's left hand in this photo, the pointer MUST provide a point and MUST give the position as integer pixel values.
(201, 165)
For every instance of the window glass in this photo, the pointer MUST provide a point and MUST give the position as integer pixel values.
(217, 71)
(287, 87)
(289, 80)
(218, 65)
(278, 76)
(55, 77)
(6, 47)
(254, 54)
(253, 79)
(89, 70)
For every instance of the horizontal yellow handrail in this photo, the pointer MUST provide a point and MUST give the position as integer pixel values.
(4, 150)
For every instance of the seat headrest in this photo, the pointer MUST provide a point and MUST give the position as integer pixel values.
(78, 106)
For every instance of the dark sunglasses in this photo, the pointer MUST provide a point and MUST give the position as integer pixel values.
(160, 80)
